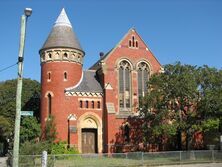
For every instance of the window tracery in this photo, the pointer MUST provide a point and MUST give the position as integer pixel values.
(143, 73)
(124, 85)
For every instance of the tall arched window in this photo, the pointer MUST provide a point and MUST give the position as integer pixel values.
(143, 77)
(124, 85)
(49, 104)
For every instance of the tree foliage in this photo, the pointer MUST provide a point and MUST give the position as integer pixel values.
(182, 100)
(30, 102)
(50, 130)
(5, 128)
(30, 98)
(30, 129)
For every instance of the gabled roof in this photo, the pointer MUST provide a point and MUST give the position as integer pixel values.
(89, 83)
(96, 66)
(62, 34)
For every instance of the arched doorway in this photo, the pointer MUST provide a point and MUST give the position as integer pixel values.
(89, 133)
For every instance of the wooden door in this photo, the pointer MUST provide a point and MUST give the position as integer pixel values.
(89, 140)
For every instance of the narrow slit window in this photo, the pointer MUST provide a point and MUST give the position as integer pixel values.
(49, 76)
(130, 43)
(49, 104)
(87, 104)
(133, 39)
(136, 44)
(98, 104)
(93, 105)
(80, 103)
(50, 55)
(65, 75)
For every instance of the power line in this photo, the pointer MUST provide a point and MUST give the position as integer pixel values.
(8, 67)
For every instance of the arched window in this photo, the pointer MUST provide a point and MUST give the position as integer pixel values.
(98, 104)
(136, 44)
(143, 73)
(65, 55)
(65, 76)
(124, 85)
(49, 104)
(50, 55)
(49, 76)
(87, 104)
(93, 105)
(80, 104)
(130, 43)
(133, 39)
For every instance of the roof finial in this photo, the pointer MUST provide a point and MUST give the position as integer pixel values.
(63, 19)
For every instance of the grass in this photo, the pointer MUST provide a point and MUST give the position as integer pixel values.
(119, 160)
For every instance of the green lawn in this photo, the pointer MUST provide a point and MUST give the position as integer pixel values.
(119, 160)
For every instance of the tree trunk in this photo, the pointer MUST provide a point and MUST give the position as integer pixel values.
(179, 140)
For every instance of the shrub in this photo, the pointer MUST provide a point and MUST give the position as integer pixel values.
(32, 148)
(61, 148)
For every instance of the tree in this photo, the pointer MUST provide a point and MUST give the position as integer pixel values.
(30, 101)
(179, 104)
(210, 106)
(5, 127)
(30, 98)
(170, 104)
(30, 129)
(50, 130)
(5, 132)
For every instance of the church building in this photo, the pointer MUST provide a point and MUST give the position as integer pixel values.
(90, 107)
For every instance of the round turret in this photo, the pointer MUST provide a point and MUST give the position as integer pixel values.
(61, 67)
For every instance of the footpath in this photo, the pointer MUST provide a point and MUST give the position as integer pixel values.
(196, 165)
(3, 161)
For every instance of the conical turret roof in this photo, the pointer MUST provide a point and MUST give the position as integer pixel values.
(62, 34)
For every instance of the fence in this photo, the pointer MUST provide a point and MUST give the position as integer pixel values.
(123, 159)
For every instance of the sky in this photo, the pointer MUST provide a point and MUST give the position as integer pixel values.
(189, 31)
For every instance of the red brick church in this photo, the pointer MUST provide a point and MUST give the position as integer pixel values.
(90, 107)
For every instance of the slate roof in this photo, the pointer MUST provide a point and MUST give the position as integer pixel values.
(89, 83)
(62, 34)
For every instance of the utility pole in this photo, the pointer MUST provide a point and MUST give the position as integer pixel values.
(27, 13)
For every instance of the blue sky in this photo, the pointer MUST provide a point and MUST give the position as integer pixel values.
(189, 31)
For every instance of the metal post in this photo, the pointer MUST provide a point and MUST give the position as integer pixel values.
(126, 159)
(212, 155)
(221, 143)
(44, 159)
(28, 12)
(142, 158)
